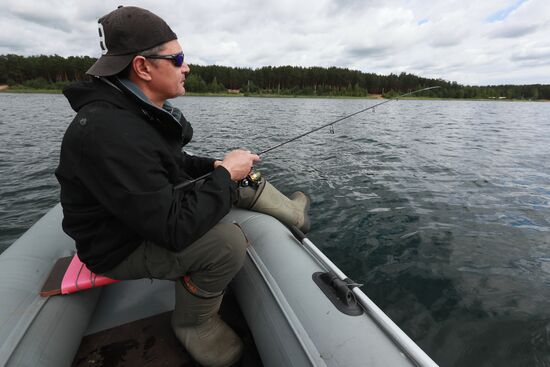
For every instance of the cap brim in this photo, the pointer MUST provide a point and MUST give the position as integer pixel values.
(110, 65)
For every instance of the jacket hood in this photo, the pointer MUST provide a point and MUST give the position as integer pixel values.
(80, 94)
(124, 94)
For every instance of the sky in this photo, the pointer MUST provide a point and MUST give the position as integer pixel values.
(472, 42)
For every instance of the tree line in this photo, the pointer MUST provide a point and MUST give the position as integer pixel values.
(54, 72)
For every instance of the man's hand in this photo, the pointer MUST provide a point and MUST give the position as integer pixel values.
(238, 163)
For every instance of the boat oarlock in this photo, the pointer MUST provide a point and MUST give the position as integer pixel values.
(187, 183)
(351, 300)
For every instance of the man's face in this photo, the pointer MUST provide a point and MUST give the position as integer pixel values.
(168, 79)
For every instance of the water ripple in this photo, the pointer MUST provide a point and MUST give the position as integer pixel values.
(441, 208)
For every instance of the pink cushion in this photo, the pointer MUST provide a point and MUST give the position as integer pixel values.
(78, 278)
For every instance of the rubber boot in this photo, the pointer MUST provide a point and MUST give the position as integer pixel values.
(268, 200)
(197, 325)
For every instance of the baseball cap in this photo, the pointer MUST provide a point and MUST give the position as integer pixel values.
(125, 32)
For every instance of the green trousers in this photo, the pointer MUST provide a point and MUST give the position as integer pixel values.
(210, 262)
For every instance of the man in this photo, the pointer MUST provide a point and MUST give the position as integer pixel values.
(120, 161)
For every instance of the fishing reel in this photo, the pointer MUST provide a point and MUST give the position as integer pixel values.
(253, 179)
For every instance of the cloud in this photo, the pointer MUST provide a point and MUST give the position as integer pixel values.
(531, 56)
(45, 19)
(515, 31)
(432, 39)
(364, 52)
(447, 41)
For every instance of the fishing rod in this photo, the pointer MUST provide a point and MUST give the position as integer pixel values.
(187, 183)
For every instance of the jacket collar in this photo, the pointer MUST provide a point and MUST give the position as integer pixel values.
(166, 112)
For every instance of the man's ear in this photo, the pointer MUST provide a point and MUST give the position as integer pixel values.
(141, 68)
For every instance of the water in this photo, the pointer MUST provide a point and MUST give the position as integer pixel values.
(441, 208)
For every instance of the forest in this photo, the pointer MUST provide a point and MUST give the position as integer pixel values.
(46, 72)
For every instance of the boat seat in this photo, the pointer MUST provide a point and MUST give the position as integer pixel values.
(70, 275)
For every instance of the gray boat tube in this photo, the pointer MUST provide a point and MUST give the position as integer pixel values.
(406, 344)
(34, 330)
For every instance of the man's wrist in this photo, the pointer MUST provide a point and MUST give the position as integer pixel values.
(224, 169)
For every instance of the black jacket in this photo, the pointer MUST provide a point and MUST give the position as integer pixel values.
(120, 160)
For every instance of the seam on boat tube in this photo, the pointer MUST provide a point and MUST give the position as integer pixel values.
(20, 329)
(307, 345)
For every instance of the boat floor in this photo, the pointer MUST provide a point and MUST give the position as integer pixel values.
(151, 342)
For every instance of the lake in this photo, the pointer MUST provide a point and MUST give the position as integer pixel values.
(440, 208)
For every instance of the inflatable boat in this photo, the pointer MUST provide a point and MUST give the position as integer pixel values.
(297, 307)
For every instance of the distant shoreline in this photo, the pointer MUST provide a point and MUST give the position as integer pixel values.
(25, 91)
(5, 89)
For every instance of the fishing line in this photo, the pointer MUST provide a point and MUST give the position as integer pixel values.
(187, 183)
(341, 119)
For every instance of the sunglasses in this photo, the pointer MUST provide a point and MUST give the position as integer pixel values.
(177, 59)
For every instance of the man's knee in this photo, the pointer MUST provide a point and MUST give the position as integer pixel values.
(233, 244)
(214, 259)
